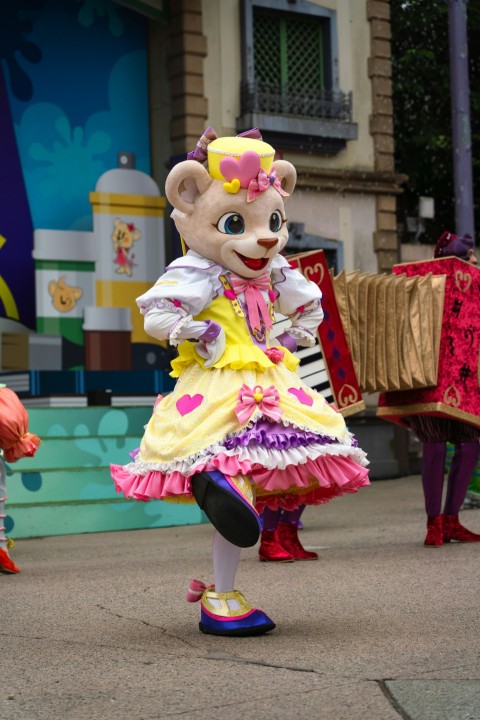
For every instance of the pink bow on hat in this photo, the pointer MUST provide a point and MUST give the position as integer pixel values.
(262, 182)
(251, 399)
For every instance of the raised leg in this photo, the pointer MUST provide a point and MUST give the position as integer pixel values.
(228, 503)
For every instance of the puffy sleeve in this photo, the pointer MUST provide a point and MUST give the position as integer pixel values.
(298, 299)
(186, 288)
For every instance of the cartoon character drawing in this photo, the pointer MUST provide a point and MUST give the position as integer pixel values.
(64, 297)
(123, 236)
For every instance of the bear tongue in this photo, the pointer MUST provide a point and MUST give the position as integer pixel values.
(253, 263)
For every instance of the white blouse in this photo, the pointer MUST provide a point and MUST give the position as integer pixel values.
(190, 283)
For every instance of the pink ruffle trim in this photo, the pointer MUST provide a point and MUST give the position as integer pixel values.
(335, 475)
(154, 485)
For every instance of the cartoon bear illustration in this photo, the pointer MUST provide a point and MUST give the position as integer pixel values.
(64, 297)
(123, 237)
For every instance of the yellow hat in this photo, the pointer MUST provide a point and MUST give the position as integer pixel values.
(235, 147)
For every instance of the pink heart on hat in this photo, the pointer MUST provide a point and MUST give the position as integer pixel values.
(186, 404)
(245, 169)
(301, 396)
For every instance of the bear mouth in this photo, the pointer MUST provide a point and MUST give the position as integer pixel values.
(253, 263)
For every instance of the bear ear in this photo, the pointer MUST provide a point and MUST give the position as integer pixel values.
(185, 182)
(287, 174)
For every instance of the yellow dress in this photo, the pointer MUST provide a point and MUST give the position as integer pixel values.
(295, 449)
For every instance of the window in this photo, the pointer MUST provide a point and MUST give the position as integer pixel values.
(289, 76)
(288, 63)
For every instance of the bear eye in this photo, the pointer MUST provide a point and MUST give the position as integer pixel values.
(275, 221)
(231, 224)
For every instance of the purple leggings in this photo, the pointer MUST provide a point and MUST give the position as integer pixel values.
(433, 471)
(434, 432)
(271, 517)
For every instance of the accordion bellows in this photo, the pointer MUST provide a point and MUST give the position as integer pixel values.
(393, 325)
(456, 393)
(413, 336)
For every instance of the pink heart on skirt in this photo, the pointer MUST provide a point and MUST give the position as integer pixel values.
(301, 396)
(186, 404)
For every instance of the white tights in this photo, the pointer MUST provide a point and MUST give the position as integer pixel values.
(225, 562)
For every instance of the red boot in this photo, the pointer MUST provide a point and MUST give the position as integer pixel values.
(271, 550)
(434, 531)
(6, 563)
(288, 536)
(454, 530)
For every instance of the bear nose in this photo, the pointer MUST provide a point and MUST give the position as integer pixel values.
(267, 243)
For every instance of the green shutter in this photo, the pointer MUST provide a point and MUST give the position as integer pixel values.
(267, 49)
(288, 62)
(304, 45)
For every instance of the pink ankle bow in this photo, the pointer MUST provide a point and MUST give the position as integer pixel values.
(196, 590)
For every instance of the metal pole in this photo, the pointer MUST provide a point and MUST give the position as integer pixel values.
(461, 132)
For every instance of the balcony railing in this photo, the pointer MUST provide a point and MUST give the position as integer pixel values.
(296, 101)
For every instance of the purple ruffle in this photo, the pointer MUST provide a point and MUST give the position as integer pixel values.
(277, 437)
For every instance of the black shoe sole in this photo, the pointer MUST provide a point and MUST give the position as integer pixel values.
(245, 632)
(230, 516)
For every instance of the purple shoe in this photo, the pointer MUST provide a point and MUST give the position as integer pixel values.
(230, 614)
(228, 504)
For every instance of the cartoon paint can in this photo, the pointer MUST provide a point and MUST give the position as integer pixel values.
(107, 338)
(64, 281)
(128, 227)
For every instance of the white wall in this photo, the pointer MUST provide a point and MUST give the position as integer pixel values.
(222, 68)
(349, 218)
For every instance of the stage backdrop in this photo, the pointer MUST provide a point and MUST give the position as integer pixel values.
(73, 94)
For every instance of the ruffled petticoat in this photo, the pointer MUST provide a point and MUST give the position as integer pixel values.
(301, 454)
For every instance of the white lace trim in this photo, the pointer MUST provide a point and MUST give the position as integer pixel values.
(158, 304)
(177, 328)
(185, 465)
(270, 459)
(302, 335)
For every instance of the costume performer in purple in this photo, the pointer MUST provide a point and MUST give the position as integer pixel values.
(435, 432)
(450, 410)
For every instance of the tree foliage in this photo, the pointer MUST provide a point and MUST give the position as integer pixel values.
(422, 106)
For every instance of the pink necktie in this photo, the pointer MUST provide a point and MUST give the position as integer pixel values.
(256, 305)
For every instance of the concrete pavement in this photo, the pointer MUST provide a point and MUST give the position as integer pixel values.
(380, 628)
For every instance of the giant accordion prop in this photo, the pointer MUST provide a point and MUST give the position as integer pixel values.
(413, 336)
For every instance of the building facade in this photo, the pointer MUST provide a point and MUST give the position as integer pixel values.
(315, 77)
